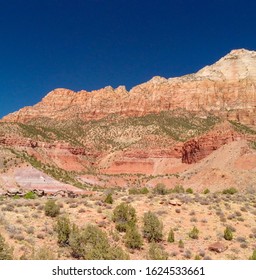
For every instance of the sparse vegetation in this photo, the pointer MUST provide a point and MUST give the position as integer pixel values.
(5, 251)
(157, 252)
(253, 256)
(51, 208)
(230, 191)
(109, 199)
(160, 188)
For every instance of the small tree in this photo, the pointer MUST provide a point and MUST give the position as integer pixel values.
(133, 238)
(160, 188)
(5, 250)
(171, 236)
(109, 199)
(194, 233)
(51, 208)
(181, 244)
(206, 191)
(124, 215)
(63, 229)
(153, 228)
(157, 252)
(228, 235)
(91, 243)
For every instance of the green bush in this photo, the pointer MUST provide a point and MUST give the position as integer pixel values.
(133, 238)
(157, 252)
(144, 190)
(253, 256)
(117, 253)
(109, 199)
(194, 233)
(91, 243)
(206, 191)
(30, 195)
(229, 191)
(63, 229)
(153, 228)
(178, 189)
(124, 216)
(43, 253)
(171, 236)
(138, 191)
(181, 244)
(5, 250)
(228, 235)
(160, 188)
(51, 209)
(189, 190)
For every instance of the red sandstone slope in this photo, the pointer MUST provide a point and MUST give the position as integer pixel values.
(226, 88)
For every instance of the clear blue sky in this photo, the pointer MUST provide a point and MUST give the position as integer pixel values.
(90, 44)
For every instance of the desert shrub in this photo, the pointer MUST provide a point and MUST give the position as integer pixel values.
(51, 209)
(117, 253)
(30, 195)
(228, 235)
(144, 190)
(253, 256)
(153, 228)
(109, 199)
(157, 252)
(63, 229)
(178, 189)
(124, 215)
(43, 253)
(181, 244)
(187, 254)
(91, 243)
(194, 233)
(160, 188)
(138, 191)
(230, 191)
(206, 191)
(197, 258)
(5, 250)
(189, 190)
(133, 238)
(171, 236)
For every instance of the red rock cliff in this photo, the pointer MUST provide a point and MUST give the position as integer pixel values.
(226, 88)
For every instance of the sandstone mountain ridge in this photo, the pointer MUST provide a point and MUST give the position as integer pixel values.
(226, 89)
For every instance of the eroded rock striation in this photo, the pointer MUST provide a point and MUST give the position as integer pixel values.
(227, 89)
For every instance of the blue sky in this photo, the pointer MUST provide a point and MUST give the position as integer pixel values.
(90, 44)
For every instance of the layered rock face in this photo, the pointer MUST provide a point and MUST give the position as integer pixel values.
(226, 88)
(198, 148)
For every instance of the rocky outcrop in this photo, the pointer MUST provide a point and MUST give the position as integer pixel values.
(226, 88)
(217, 247)
(198, 148)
